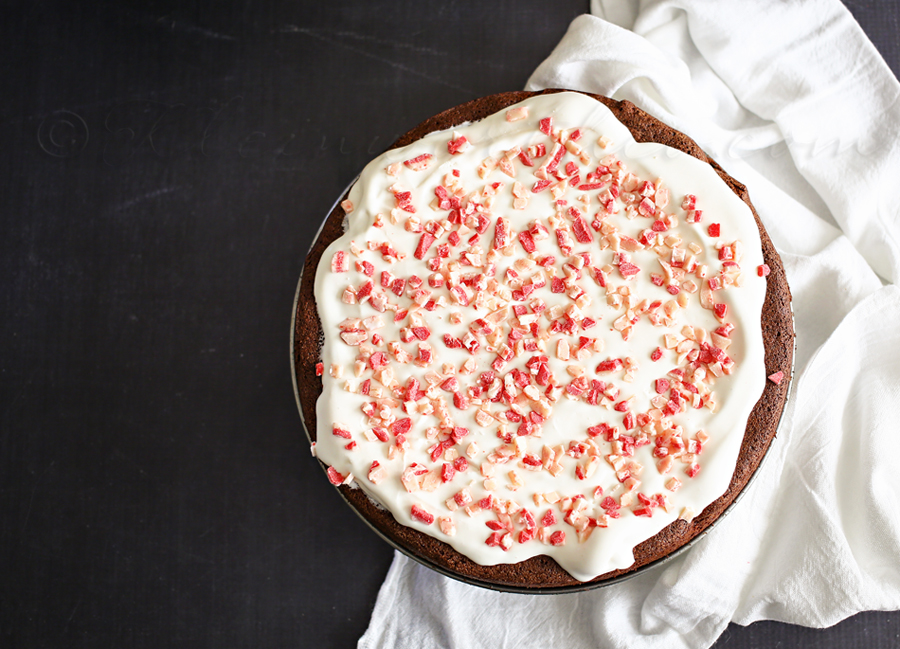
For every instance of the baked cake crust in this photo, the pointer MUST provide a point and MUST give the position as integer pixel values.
(542, 572)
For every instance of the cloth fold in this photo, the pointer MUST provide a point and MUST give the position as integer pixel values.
(793, 100)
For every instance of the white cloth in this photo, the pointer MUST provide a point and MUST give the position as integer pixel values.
(792, 99)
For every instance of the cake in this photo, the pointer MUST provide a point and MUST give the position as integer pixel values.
(552, 346)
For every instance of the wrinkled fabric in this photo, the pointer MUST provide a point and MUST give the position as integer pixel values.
(793, 100)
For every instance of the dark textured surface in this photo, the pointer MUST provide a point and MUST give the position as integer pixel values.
(541, 571)
(165, 165)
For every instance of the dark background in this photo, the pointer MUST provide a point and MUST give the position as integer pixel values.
(166, 165)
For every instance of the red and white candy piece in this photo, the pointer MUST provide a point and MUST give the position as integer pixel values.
(516, 114)
(420, 162)
(422, 515)
(459, 144)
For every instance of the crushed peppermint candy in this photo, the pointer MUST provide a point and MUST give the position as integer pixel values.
(515, 114)
(525, 334)
(420, 162)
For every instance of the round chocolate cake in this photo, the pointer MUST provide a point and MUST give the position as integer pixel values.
(481, 297)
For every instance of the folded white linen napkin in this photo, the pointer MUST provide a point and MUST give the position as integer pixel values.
(792, 99)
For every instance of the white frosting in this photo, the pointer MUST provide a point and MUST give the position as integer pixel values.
(606, 548)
